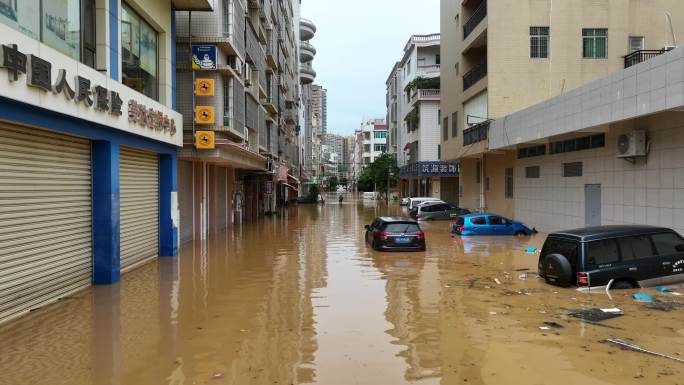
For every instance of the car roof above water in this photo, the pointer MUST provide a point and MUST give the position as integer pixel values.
(586, 234)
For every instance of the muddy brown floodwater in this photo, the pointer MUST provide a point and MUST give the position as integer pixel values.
(299, 298)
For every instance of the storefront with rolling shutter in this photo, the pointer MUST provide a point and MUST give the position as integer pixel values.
(45, 217)
(139, 207)
(88, 176)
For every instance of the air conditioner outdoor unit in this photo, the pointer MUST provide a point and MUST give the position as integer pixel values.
(632, 144)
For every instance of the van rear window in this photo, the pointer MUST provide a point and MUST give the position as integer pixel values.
(566, 248)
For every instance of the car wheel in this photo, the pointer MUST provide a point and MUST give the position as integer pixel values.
(622, 285)
(520, 234)
(557, 270)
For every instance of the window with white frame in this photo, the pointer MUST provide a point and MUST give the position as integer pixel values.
(539, 42)
(595, 43)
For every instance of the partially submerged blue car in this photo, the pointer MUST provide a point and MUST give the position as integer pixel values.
(489, 224)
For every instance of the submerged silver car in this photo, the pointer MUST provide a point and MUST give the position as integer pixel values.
(437, 211)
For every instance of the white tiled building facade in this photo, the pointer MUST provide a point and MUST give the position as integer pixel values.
(642, 190)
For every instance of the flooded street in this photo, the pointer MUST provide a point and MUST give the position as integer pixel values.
(299, 298)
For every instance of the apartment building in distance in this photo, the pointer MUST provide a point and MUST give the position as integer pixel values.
(413, 100)
(315, 116)
(370, 142)
(247, 51)
(506, 56)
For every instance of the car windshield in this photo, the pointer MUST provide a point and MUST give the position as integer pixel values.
(402, 228)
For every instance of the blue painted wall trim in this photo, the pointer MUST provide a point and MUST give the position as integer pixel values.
(106, 210)
(173, 58)
(168, 203)
(114, 39)
(26, 114)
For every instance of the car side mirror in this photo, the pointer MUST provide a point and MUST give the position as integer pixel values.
(680, 248)
(367, 227)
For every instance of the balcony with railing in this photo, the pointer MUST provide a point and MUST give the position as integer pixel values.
(475, 19)
(306, 74)
(476, 133)
(642, 55)
(475, 74)
(425, 95)
(307, 52)
(429, 70)
(307, 29)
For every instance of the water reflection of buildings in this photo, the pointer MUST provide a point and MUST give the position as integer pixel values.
(239, 305)
(413, 296)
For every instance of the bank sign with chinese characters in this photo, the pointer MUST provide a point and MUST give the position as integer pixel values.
(436, 169)
(35, 74)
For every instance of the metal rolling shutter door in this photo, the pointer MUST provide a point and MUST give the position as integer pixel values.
(139, 207)
(45, 217)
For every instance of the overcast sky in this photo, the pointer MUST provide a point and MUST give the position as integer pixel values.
(358, 42)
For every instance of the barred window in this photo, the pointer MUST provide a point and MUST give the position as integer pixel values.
(532, 172)
(594, 43)
(539, 42)
(571, 170)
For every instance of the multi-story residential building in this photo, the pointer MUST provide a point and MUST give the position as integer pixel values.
(254, 164)
(394, 105)
(369, 142)
(335, 158)
(315, 106)
(89, 138)
(413, 96)
(546, 163)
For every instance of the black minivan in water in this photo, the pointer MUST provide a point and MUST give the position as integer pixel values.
(616, 257)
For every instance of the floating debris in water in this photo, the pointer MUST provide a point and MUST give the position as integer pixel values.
(595, 315)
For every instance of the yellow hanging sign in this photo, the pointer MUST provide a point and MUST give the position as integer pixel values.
(204, 87)
(205, 140)
(204, 115)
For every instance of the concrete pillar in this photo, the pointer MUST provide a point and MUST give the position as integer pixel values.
(106, 209)
(169, 216)
(230, 190)
(198, 201)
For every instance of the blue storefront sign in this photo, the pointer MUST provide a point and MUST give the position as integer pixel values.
(435, 169)
(204, 57)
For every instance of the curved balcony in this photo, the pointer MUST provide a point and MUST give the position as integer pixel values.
(307, 29)
(307, 52)
(306, 74)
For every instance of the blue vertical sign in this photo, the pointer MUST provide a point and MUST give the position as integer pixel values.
(204, 57)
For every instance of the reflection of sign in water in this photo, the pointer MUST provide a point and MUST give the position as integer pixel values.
(204, 57)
